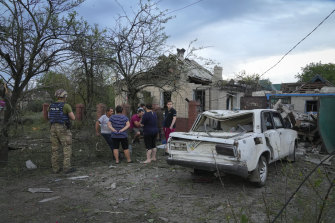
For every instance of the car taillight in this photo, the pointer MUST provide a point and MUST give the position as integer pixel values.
(225, 149)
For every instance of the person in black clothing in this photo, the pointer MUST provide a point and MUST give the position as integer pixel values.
(169, 125)
(150, 130)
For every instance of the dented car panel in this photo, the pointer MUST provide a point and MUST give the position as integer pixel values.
(232, 141)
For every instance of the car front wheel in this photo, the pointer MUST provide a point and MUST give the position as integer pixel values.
(262, 171)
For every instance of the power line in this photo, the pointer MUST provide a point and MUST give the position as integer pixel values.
(185, 7)
(298, 43)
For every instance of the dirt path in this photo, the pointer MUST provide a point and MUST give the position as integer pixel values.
(157, 192)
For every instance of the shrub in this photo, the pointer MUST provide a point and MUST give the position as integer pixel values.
(35, 106)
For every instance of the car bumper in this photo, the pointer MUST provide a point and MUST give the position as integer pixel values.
(235, 169)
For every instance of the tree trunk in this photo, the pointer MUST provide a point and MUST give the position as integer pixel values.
(3, 146)
(133, 101)
(8, 116)
(4, 137)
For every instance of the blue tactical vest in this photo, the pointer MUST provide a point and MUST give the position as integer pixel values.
(56, 114)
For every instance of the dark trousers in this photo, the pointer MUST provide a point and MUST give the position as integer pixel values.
(108, 139)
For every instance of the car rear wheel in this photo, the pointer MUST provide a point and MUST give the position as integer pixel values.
(262, 171)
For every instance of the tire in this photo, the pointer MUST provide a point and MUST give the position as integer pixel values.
(262, 171)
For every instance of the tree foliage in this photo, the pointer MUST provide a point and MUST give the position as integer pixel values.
(51, 81)
(253, 82)
(327, 71)
(88, 51)
(33, 38)
(136, 42)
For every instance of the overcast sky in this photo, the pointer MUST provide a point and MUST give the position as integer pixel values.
(250, 35)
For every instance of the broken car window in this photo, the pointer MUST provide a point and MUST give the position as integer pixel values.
(267, 120)
(277, 120)
(242, 123)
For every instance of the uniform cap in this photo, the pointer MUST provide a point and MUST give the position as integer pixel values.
(61, 93)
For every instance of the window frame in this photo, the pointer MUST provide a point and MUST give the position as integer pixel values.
(280, 119)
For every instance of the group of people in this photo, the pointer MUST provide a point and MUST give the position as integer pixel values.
(145, 122)
(113, 127)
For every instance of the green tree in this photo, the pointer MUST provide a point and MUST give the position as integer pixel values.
(51, 81)
(33, 38)
(136, 42)
(327, 71)
(253, 81)
(89, 64)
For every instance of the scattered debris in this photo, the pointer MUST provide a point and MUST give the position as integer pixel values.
(111, 166)
(128, 188)
(78, 177)
(14, 148)
(300, 153)
(164, 219)
(97, 146)
(161, 146)
(40, 190)
(111, 212)
(49, 199)
(319, 160)
(30, 165)
(113, 185)
(306, 125)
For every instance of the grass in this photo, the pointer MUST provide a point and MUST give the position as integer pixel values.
(33, 141)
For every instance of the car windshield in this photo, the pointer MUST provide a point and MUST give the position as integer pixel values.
(241, 123)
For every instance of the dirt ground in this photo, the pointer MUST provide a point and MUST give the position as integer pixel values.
(155, 192)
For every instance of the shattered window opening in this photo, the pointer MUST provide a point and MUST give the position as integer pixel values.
(311, 106)
(242, 123)
(277, 120)
(267, 121)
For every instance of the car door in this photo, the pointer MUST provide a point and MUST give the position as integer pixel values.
(271, 134)
(284, 134)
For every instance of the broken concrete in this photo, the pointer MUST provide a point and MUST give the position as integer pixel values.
(30, 165)
(49, 199)
(78, 177)
(40, 190)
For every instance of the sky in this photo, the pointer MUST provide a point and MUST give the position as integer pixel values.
(250, 35)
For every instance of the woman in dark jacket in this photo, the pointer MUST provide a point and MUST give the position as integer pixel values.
(150, 130)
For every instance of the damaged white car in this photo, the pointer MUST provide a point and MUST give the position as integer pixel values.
(242, 143)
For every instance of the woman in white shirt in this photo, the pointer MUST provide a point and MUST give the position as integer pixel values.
(104, 130)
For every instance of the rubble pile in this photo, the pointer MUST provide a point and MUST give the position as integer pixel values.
(304, 124)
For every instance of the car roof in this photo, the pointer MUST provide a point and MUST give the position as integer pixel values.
(228, 113)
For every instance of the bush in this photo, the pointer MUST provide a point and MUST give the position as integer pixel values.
(35, 106)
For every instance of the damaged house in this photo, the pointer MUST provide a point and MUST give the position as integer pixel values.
(305, 98)
(299, 102)
(194, 91)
